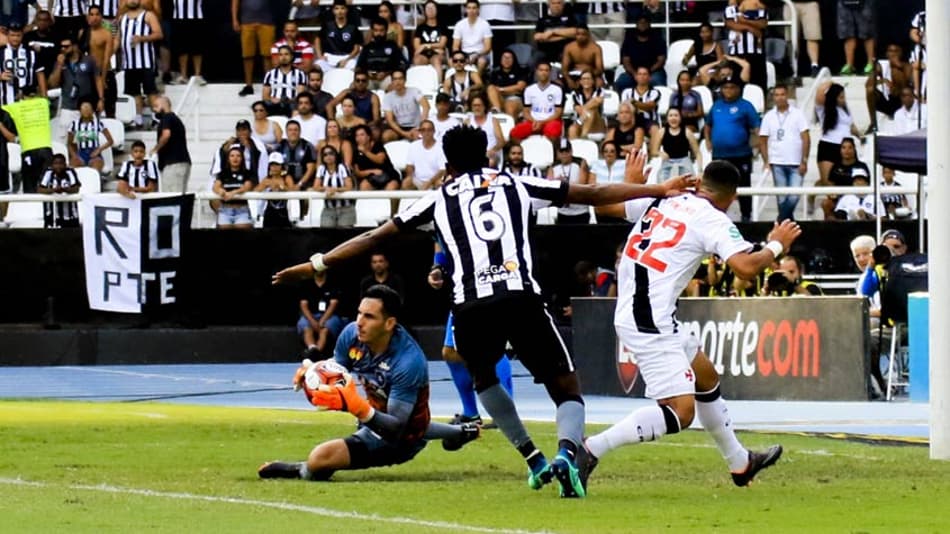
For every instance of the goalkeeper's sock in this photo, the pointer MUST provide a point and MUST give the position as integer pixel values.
(645, 424)
(503, 370)
(465, 387)
(504, 414)
(714, 416)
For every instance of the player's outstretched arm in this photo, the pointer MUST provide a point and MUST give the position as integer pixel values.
(342, 252)
(747, 265)
(604, 194)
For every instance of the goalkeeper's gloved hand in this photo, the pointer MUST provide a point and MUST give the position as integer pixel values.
(302, 370)
(344, 397)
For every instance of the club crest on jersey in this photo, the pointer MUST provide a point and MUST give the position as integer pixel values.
(627, 369)
(498, 273)
(356, 354)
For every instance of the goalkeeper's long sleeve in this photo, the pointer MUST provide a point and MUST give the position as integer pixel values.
(392, 424)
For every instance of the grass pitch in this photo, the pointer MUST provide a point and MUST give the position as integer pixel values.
(91, 467)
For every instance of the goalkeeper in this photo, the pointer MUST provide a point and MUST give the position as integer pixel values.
(393, 418)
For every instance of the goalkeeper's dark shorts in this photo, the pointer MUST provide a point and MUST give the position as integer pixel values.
(368, 449)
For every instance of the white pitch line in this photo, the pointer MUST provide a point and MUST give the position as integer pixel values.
(176, 378)
(314, 510)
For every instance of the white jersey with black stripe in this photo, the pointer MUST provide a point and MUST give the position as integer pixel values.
(136, 55)
(669, 240)
(187, 10)
(482, 222)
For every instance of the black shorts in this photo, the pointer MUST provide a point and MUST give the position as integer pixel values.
(483, 327)
(367, 450)
(829, 151)
(887, 105)
(188, 37)
(140, 82)
(642, 122)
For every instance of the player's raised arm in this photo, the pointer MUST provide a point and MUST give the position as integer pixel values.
(747, 265)
(604, 194)
(342, 252)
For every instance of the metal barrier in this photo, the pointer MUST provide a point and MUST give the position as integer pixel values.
(190, 103)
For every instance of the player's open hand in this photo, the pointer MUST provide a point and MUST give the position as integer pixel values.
(676, 185)
(301, 271)
(785, 232)
(636, 161)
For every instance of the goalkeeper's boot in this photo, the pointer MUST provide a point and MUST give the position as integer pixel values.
(469, 432)
(540, 474)
(586, 463)
(279, 470)
(757, 462)
(568, 475)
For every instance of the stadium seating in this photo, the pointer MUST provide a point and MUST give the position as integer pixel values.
(674, 59)
(89, 180)
(424, 78)
(586, 149)
(398, 152)
(25, 214)
(611, 53)
(281, 121)
(753, 93)
(769, 75)
(611, 103)
(706, 96)
(664, 104)
(538, 151)
(524, 53)
(336, 80)
(14, 155)
(117, 129)
(507, 122)
(125, 109)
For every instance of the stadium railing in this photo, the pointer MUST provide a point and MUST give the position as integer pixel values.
(187, 108)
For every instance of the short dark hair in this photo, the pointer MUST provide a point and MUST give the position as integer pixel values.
(138, 144)
(292, 121)
(59, 157)
(283, 46)
(364, 128)
(380, 21)
(721, 177)
(465, 147)
(476, 2)
(304, 94)
(392, 302)
(90, 8)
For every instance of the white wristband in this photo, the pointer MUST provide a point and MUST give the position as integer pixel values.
(317, 261)
(775, 247)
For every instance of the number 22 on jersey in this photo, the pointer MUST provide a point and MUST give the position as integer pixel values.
(642, 246)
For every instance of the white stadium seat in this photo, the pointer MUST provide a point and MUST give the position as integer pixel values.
(705, 95)
(424, 78)
(770, 74)
(60, 148)
(25, 214)
(125, 109)
(664, 104)
(281, 121)
(538, 151)
(586, 149)
(89, 180)
(14, 154)
(611, 103)
(336, 80)
(611, 53)
(506, 121)
(674, 59)
(117, 130)
(753, 93)
(398, 152)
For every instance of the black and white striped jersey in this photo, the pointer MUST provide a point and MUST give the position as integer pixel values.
(743, 43)
(187, 10)
(109, 8)
(136, 56)
(22, 63)
(334, 179)
(86, 133)
(69, 8)
(482, 221)
(650, 95)
(60, 211)
(139, 176)
(284, 85)
(602, 8)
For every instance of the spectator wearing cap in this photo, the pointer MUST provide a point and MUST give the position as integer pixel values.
(302, 49)
(731, 126)
(571, 170)
(380, 57)
(442, 121)
(340, 40)
(506, 85)
(232, 180)
(277, 180)
(843, 174)
(253, 152)
(544, 104)
(895, 242)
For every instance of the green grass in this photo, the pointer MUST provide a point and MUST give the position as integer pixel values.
(87, 457)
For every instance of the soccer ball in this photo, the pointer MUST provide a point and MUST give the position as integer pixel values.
(324, 372)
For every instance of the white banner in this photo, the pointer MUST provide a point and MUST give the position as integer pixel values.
(132, 249)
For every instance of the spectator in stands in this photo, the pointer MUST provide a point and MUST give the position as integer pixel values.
(460, 82)
(918, 54)
(480, 118)
(582, 54)
(36, 136)
(473, 36)
(609, 169)
(264, 129)
(544, 102)
(911, 116)
(894, 205)
(624, 134)
(831, 106)
(688, 102)
(340, 40)
(784, 143)
(747, 21)
(380, 57)
(426, 167)
(348, 119)
(883, 88)
(588, 104)
(705, 48)
(16, 12)
(506, 85)
(646, 101)
(405, 108)
(856, 21)
(7, 135)
(171, 146)
(301, 48)
(190, 37)
(343, 146)
(320, 321)
(809, 20)
(254, 153)
(843, 173)
(499, 14)
(312, 126)
(792, 271)
(137, 175)
(371, 165)
(299, 157)
(572, 170)
(276, 214)
(442, 121)
(101, 45)
(642, 47)
(282, 84)
(366, 104)
(731, 126)
(59, 180)
(305, 12)
(43, 41)
(320, 97)
(610, 12)
(676, 146)
(78, 74)
(515, 163)
(854, 207)
(139, 32)
(255, 22)
(334, 177)
(381, 274)
(431, 39)
(712, 76)
(553, 31)
(234, 179)
(29, 71)
(82, 140)
(394, 30)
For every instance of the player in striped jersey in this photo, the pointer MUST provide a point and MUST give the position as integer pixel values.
(82, 139)
(282, 83)
(189, 29)
(138, 175)
(19, 69)
(139, 33)
(670, 238)
(482, 219)
(59, 180)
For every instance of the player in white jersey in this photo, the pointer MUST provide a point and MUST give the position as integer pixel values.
(669, 240)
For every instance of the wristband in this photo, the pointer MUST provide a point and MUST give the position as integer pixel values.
(775, 247)
(317, 261)
(439, 258)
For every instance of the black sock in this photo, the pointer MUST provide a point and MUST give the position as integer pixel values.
(533, 456)
(568, 446)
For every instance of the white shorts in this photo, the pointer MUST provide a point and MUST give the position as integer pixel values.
(664, 360)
